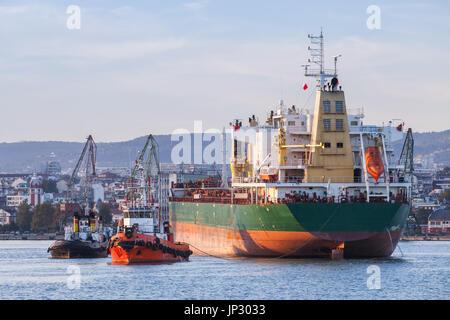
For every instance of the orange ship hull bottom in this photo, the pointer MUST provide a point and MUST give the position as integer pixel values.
(206, 240)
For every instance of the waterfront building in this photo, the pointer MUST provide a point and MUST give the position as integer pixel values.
(6, 217)
(13, 201)
(439, 222)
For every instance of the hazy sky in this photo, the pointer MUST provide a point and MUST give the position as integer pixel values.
(139, 67)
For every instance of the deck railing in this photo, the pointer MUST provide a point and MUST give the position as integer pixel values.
(292, 199)
(302, 179)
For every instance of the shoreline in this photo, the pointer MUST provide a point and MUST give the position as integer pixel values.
(425, 238)
(32, 236)
(53, 236)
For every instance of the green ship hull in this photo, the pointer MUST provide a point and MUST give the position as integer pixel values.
(290, 230)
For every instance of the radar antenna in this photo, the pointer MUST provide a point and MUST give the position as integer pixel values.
(317, 57)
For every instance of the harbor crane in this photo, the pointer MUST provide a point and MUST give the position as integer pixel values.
(140, 178)
(407, 155)
(85, 166)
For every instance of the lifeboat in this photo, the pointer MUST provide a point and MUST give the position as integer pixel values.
(374, 162)
(268, 174)
(132, 247)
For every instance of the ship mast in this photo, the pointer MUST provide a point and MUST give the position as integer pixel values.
(316, 50)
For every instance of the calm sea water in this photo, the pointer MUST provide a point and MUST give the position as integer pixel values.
(422, 272)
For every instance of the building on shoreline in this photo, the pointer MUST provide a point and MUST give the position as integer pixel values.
(439, 222)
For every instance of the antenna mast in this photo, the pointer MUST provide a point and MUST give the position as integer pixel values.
(317, 57)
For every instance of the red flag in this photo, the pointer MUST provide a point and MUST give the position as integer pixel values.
(400, 127)
(305, 86)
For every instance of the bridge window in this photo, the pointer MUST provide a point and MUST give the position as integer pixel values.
(327, 124)
(339, 145)
(339, 106)
(326, 106)
(339, 124)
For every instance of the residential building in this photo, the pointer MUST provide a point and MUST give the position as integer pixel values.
(439, 222)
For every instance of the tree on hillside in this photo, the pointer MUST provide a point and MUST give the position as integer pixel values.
(104, 211)
(445, 195)
(24, 216)
(43, 218)
(9, 227)
(61, 218)
(422, 215)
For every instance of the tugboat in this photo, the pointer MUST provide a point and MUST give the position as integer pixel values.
(87, 239)
(144, 234)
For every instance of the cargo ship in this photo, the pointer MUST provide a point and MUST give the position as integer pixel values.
(144, 234)
(321, 184)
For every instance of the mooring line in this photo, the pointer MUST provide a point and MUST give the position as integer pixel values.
(392, 245)
(208, 254)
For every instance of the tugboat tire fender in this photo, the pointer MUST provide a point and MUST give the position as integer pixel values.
(128, 233)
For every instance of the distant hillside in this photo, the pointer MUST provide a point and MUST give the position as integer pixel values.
(436, 144)
(31, 156)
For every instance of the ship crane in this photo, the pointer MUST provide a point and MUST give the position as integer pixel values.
(85, 165)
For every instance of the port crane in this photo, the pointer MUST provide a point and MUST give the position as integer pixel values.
(407, 154)
(85, 165)
(140, 179)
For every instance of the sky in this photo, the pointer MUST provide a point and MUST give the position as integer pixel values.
(139, 67)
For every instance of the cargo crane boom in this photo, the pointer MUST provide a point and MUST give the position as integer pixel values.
(88, 157)
(407, 154)
(141, 173)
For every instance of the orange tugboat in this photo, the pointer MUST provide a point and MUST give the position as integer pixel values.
(133, 246)
(144, 234)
